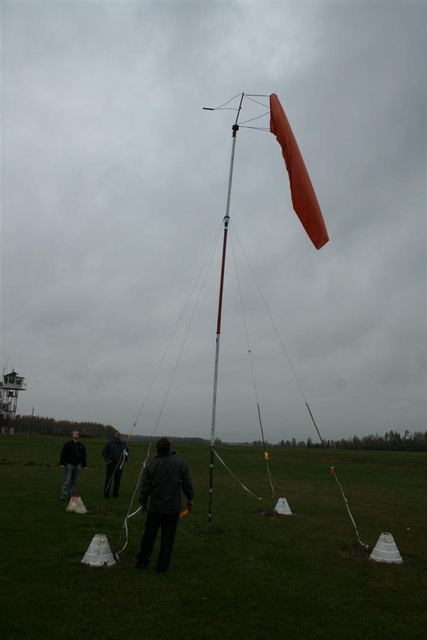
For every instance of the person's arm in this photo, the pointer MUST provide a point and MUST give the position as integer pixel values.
(84, 462)
(187, 486)
(106, 452)
(145, 489)
(62, 459)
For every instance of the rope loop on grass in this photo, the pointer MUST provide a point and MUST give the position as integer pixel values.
(125, 526)
(130, 515)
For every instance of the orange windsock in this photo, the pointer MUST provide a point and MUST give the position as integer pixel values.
(304, 199)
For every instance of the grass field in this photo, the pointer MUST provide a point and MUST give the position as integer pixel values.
(249, 576)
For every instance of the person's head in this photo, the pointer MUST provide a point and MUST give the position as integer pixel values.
(75, 435)
(116, 436)
(163, 446)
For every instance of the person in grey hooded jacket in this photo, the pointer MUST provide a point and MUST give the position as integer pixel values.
(164, 479)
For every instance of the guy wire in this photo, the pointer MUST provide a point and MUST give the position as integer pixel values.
(266, 457)
(332, 468)
(205, 268)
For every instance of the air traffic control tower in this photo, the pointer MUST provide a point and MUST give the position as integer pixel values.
(10, 385)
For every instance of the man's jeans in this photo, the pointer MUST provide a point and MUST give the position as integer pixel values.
(71, 475)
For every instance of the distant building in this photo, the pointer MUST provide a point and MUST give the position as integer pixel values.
(10, 385)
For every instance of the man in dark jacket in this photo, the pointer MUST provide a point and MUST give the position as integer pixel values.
(115, 454)
(163, 480)
(73, 460)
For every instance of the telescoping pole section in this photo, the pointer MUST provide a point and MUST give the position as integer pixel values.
(235, 129)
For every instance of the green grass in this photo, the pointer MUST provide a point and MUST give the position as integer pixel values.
(250, 575)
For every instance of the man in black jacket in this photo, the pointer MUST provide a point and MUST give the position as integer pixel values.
(163, 480)
(73, 460)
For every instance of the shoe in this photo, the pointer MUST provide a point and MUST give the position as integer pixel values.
(115, 495)
(140, 566)
(106, 495)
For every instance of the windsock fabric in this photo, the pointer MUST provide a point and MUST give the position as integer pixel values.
(304, 199)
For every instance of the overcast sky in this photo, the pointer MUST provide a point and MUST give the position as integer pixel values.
(114, 187)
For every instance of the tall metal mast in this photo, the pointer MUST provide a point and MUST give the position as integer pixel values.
(235, 129)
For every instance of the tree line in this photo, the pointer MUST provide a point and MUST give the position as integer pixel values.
(390, 441)
(41, 425)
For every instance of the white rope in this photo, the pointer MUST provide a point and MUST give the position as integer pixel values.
(123, 457)
(299, 386)
(125, 526)
(234, 476)
(130, 515)
(201, 278)
(349, 512)
(269, 476)
(119, 465)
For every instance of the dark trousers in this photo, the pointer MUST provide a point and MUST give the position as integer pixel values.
(113, 475)
(167, 523)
